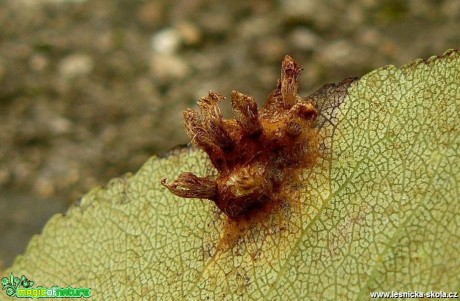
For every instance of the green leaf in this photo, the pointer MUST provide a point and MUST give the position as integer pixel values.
(379, 212)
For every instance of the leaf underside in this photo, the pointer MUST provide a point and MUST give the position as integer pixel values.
(379, 212)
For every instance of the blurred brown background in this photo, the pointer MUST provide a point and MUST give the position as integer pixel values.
(90, 89)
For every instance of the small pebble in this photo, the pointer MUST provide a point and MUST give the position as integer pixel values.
(38, 62)
(76, 65)
(166, 41)
(189, 32)
(336, 52)
(304, 39)
(165, 66)
(150, 13)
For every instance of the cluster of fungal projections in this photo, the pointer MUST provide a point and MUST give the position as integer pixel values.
(259, 155)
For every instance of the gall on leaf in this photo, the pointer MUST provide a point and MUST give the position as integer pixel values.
(259, 155)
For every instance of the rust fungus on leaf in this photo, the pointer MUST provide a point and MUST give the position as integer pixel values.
(259, 155)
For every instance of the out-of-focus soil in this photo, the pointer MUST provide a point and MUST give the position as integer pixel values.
(90, 89)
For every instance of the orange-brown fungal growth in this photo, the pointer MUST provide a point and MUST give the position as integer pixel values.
(258, 154)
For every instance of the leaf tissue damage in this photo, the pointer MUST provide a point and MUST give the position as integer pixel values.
(261, 154)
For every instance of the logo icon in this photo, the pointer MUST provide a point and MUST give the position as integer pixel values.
(13, 283)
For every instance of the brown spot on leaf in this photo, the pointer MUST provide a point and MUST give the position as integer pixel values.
(258, 154)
